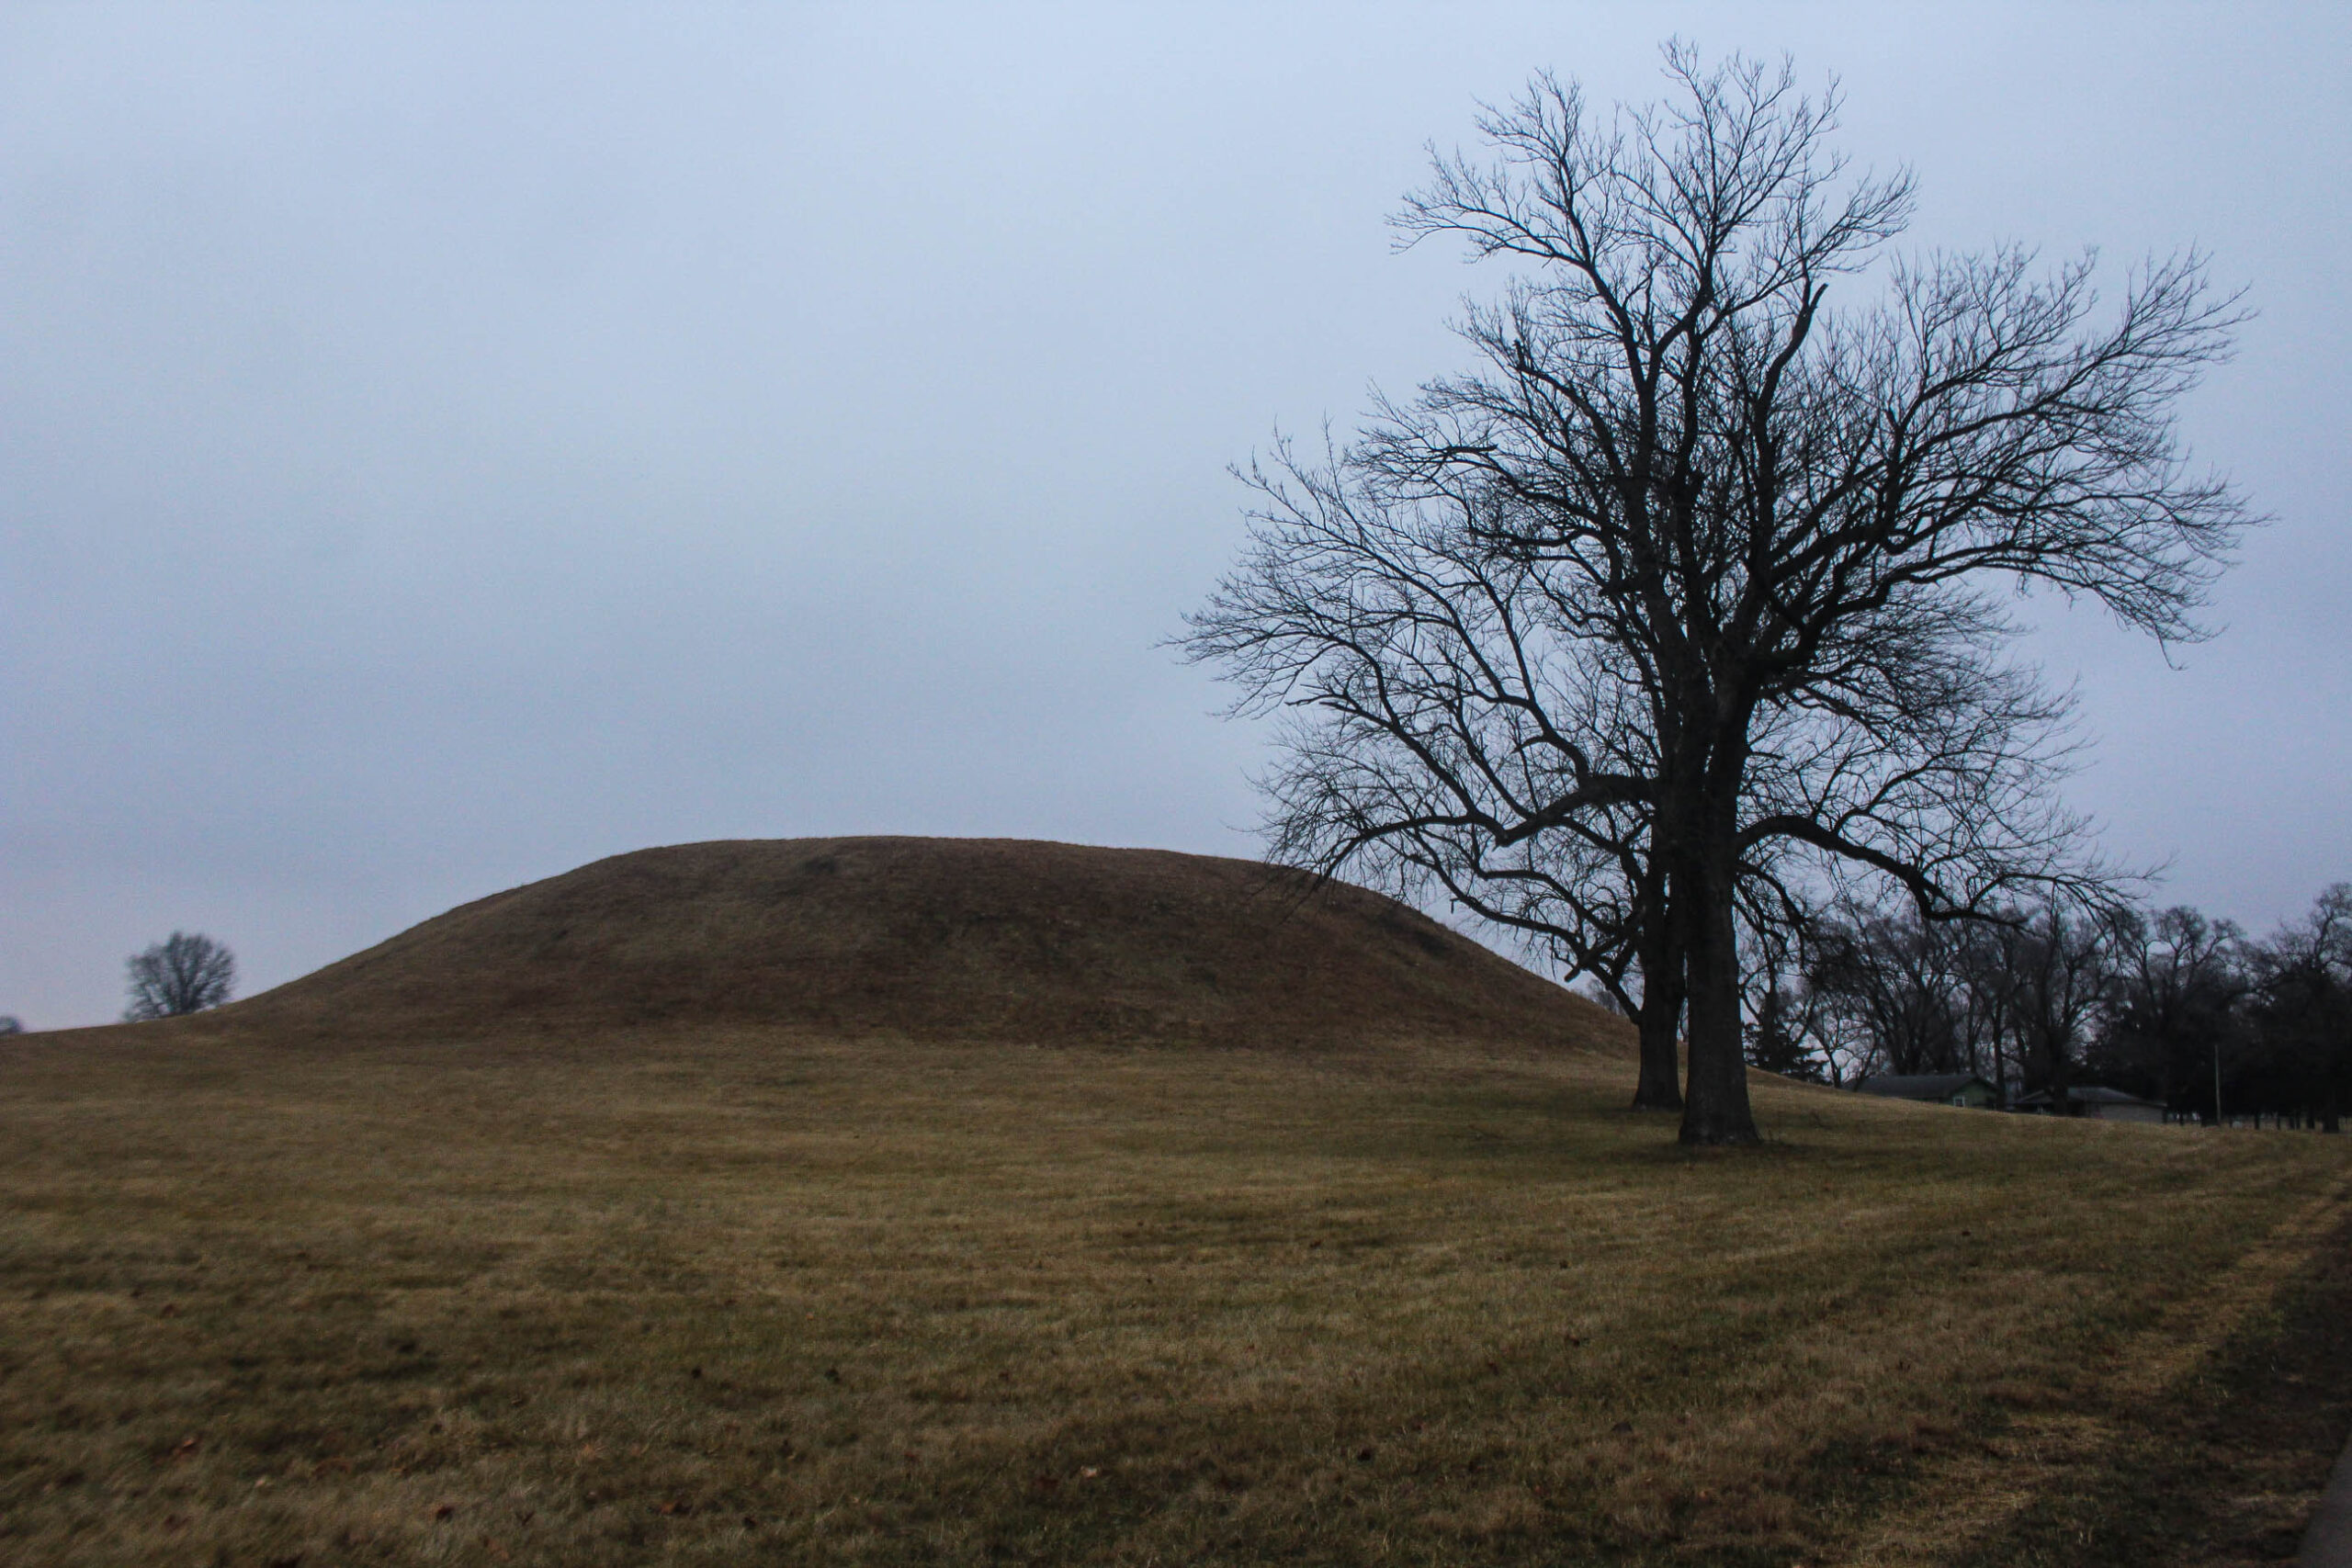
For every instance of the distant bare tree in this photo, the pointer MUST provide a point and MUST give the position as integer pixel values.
(1892, 984)
(2302, 1013)
(185, 973)
(2060, 979)
(2181, 980)
(10, 1025)
(1695, 581)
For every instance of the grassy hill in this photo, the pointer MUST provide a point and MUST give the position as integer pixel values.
(938, 938)
(530, 1269)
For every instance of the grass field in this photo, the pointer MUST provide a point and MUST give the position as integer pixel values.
(734, 1296)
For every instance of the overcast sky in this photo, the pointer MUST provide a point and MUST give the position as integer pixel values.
(442, 446)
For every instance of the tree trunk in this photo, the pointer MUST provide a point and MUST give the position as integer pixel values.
(1716, 1110)
(2061, 1068)
(1660, 1018)
(1660, 1085)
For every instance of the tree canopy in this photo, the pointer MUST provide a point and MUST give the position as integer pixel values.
(185, 972)
(1689, 598)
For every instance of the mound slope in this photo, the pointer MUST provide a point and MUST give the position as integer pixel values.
(946, 938)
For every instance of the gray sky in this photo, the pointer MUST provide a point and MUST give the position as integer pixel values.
(438, 448)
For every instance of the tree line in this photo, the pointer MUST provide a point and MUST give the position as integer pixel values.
(2172, 1005)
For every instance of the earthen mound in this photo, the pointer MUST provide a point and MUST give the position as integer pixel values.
(976, 938)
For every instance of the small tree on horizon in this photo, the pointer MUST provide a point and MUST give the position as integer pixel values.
(185, 972)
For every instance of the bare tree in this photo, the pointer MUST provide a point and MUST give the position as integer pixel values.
(10, 1024)
(2060, 979)
(2180, 980)
(1895, 983)
(183, 974)
(1734, 604)
(1450, 740)
(1786, 1014)
(2302, 1013)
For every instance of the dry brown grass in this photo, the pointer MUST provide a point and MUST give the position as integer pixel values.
(727, 1294)
(898, 1200)
(935, 938)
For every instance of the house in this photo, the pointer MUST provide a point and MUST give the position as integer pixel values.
(2105, 1104)
(1939, 1088)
